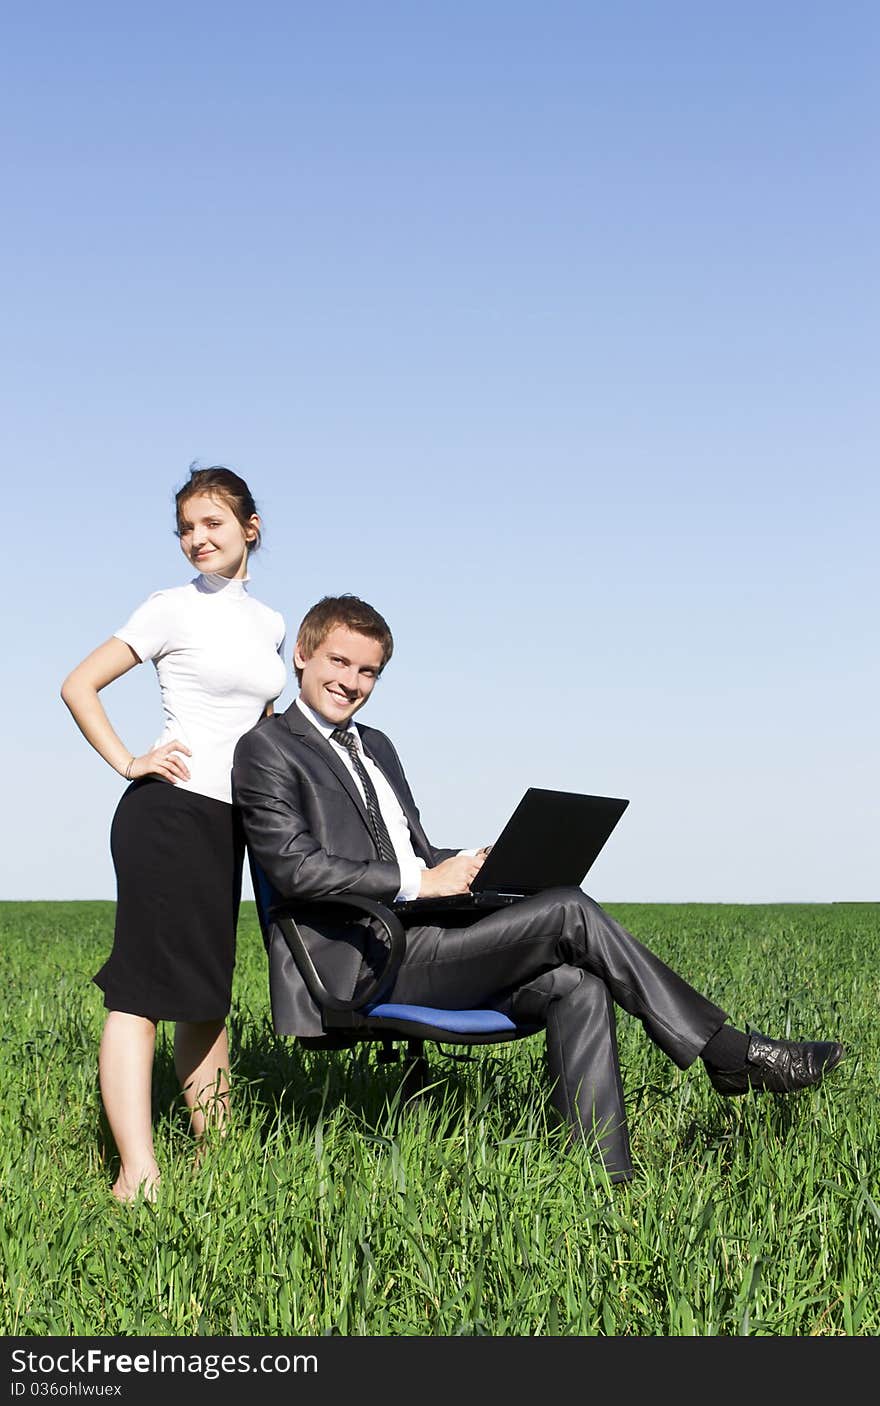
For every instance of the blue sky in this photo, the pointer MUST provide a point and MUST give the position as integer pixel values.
(549, 329)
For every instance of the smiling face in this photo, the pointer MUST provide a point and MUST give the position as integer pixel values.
(339, 676)
(212, 538)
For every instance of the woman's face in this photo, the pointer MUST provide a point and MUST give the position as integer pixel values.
(212, 538)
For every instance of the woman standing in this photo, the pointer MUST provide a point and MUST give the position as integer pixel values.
(176, 839)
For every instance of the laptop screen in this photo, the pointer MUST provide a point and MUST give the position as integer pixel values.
(552, 839)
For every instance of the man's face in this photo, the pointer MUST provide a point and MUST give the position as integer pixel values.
(339, 677)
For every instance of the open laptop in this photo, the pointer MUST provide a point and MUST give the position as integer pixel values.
(552, 838)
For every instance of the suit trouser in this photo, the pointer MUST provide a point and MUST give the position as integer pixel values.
(559, 959)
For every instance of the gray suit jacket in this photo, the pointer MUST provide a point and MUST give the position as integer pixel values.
(307, 829)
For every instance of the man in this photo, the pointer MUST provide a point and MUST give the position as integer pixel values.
(327, 809)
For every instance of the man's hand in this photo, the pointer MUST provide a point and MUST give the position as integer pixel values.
(454, 875)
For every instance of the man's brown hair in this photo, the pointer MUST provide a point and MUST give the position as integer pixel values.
(349, 611)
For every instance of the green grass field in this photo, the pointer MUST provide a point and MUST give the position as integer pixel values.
(328, 1210)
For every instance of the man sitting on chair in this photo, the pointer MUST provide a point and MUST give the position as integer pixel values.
(327, 810)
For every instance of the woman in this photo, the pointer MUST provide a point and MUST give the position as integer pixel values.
(176, 840)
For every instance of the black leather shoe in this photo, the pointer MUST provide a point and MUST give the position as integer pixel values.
(779, 1066)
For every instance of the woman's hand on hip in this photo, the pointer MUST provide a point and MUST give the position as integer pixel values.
(165, 761)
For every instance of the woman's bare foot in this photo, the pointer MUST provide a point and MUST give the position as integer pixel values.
(214, 1133)
(129, 1189)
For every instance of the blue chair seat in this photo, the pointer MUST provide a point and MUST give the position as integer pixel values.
(473, 1022)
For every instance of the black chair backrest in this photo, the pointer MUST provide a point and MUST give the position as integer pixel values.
(265, 896)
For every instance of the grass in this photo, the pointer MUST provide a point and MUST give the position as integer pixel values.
(329, 1210)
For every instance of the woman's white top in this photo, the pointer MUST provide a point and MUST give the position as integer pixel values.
(219, 656)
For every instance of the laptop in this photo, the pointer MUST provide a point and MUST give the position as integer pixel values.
(552, 838)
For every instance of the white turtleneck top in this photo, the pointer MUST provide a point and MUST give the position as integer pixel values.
(219, 656)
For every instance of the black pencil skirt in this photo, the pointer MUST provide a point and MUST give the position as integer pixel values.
(178, 859)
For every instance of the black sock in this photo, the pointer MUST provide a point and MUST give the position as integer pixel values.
(728, 1049)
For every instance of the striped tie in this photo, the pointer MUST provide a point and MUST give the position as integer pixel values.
(347, 739)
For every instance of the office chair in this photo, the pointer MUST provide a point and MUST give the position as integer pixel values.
(370, 1017)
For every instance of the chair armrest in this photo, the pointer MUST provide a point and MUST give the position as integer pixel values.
(283, 915)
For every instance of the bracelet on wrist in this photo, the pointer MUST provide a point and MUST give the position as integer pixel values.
(127, 772)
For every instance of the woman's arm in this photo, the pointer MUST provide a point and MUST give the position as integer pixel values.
(80, 692)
